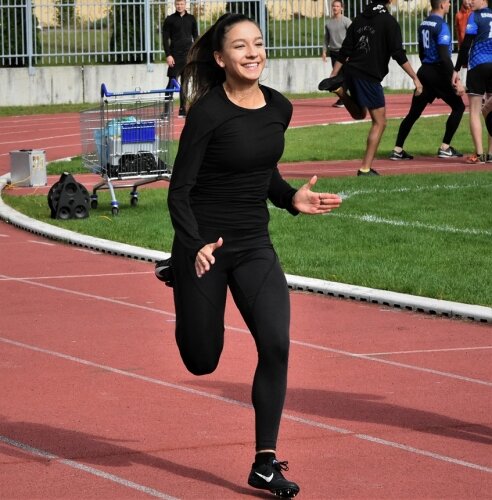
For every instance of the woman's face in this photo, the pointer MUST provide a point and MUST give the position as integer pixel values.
(243, 53)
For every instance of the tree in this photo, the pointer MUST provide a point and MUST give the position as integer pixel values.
(65, 13)
(13, 35)
(128, 33)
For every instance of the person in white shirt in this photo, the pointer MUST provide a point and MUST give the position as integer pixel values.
(335, 30)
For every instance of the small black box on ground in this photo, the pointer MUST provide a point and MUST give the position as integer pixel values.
(68, 199)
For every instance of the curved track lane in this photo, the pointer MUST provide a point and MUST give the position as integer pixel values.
(382, 403)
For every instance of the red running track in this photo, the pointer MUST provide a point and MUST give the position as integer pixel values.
(96, 403)
(382, 403)
(59, 135)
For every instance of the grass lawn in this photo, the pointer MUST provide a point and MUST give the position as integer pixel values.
(427, 235)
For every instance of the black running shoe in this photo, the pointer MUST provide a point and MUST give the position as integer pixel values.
(164, 271)
(371, 171)
(402, 155)
(331, 84)
(449, 153)
(269, 477)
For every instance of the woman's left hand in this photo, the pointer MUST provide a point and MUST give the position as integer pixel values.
(307, 201)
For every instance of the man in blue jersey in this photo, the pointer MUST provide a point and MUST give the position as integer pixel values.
(436, 74)
(476, 53)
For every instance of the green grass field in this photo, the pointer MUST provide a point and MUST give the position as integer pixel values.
(427, 235)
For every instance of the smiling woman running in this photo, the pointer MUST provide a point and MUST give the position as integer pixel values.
(224, 173)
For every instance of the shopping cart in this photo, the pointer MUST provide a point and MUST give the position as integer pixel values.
(128, 138)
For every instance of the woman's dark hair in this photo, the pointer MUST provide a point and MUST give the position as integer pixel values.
(201, 72)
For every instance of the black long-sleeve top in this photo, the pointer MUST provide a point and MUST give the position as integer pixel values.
(372, 39)
(178, 33)
(226, 168)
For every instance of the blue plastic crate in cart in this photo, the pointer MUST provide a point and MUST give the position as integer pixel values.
(132, 133)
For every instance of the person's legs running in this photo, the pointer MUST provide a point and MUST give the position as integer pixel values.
(356, 112)
(260, 292)
(168, 95)
(475, 104)
(378, 117)
(340, 85)
(487, 113)
(457, 106)
(182, 103)
(476, 83)
(199, 305)
(369, 95)
(488, 116)
(175, 73)
(333, 59)
(419, 103)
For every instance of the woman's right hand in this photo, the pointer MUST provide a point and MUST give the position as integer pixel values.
(205, 259)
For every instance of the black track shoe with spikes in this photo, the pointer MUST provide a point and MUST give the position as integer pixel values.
(269, 477)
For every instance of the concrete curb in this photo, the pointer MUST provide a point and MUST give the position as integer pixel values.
(330, 288)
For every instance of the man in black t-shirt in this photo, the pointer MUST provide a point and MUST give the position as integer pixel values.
(373, 38)
(179, 31)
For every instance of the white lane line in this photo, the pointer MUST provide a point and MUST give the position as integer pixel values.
(413, 189)
(88, 295)
(397, 364)
(243, 330)
(85, 468)
(86, 250)
(293, 418)
(424, 351)
(4, 235)
(40, 139)
(430, 454)
(75, 276)
(47, 243)
(374, 219)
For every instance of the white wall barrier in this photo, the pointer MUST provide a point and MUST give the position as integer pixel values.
(81, 84)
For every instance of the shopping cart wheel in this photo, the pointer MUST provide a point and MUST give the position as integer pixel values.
(94, 201)
(134, 198)
(115, 210)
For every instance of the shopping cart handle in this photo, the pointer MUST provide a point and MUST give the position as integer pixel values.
(174, 88)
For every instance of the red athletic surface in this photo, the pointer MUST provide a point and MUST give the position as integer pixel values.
(381, 403)
(59, 136)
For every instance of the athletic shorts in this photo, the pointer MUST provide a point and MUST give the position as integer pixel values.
(479, 79)
(435, 83)
(366, 93)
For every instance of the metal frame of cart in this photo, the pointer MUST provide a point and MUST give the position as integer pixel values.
(128, 138)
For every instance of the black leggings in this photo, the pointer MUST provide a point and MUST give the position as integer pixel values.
(175, 73)
(259, 289)
(435, 86)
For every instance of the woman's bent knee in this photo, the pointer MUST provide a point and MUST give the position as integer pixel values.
(199, 366)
